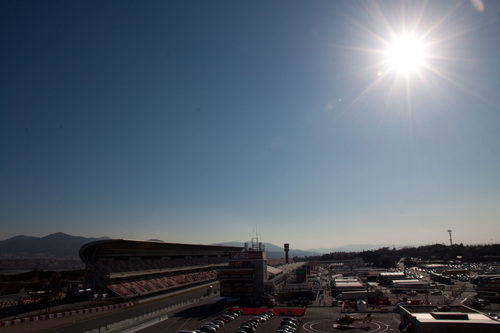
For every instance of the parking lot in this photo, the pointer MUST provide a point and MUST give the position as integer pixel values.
(269, 326)
(316, 320)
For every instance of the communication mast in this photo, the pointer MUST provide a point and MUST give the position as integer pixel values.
(451, 242)
(256, 242)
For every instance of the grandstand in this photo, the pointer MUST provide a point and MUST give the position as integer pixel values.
(130, 268)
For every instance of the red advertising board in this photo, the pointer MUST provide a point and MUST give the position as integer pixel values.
(294, 312)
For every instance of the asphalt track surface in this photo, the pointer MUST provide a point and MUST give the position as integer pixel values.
(132, 312)
(85, 323)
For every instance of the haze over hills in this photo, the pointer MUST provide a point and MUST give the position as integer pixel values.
(276, 252)
(353, 248)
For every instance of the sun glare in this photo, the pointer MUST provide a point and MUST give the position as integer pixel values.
(405, 54)
(406, 51)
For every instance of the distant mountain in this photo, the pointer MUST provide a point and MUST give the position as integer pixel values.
(58, 245)
(276, 252)
(61, 245)
(352, 248)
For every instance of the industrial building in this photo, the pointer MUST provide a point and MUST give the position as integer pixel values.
(298, 293)
(387, 277)
(452, 319)
(343, 284)
(410, 284)
(440, 278)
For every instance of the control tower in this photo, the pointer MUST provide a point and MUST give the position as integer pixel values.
(246, 275)
(287, 248)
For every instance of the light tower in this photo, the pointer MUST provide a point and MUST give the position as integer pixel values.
(451, 242)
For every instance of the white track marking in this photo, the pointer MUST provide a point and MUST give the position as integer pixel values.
(310, 329)
(380, 327)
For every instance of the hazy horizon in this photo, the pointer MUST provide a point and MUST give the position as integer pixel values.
(341, 246)
(324, 123)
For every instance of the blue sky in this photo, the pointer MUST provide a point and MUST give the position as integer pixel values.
(196, 121)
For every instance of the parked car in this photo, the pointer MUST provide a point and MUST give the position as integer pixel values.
(288, 322)
(247, 329)
(208, 329)
(294, 320)
(289, 328)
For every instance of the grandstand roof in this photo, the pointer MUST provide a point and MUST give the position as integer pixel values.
(391, 274)
(133, 248)
(273, 270)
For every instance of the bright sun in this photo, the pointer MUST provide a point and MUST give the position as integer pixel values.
(405, 54)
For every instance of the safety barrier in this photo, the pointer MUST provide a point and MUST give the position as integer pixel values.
(143, 320)
(134, 323)
(65, 314)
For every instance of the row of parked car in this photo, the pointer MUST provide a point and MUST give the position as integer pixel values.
(251, 325)
(287, 325)
(214, 325)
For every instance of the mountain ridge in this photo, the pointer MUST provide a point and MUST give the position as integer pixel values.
(56, 245)
(62, 245)
(352, 248)
(271, 248)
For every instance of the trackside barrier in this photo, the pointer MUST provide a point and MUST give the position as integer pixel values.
(133, 324)
(143, 320)
(18, 321)
(295, 312)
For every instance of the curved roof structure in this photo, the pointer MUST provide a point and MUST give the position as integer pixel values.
(132, 248)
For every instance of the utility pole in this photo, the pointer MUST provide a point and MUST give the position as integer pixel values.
(451, 242)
